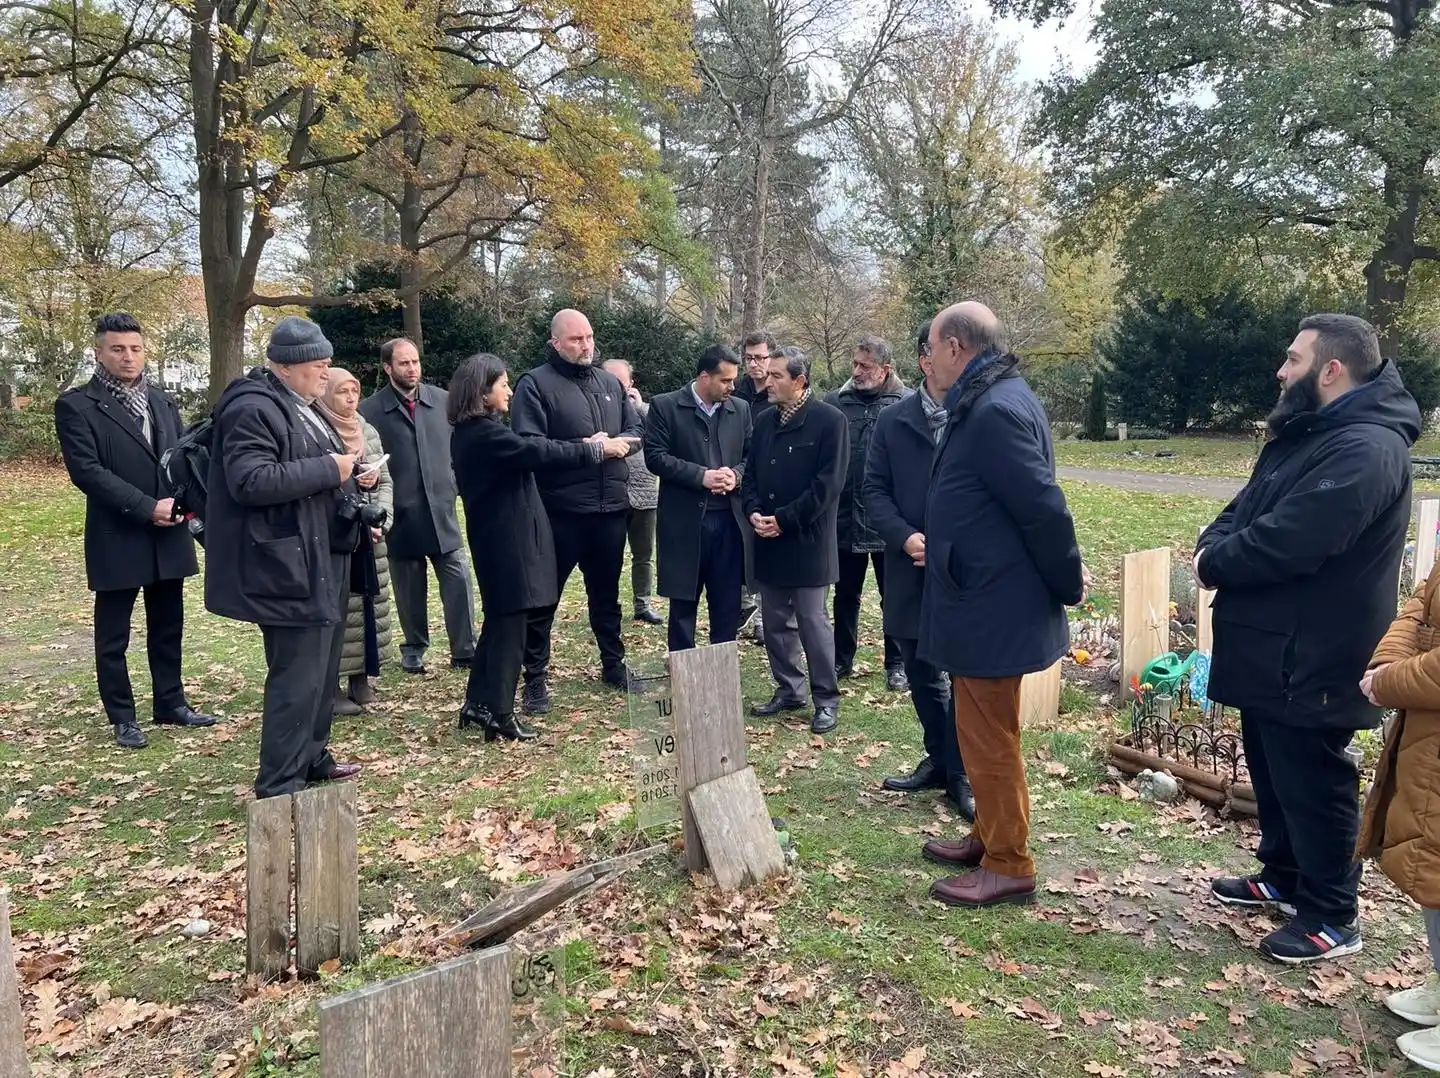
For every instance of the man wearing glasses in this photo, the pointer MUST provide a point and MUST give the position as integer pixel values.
(752, 387)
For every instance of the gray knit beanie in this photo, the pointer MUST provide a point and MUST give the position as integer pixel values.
(297, 340)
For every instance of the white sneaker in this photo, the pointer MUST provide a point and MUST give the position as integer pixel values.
(1422, 1048)
(1419, 1005)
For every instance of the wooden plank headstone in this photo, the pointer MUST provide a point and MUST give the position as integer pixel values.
(709, 727)
(1144, 611)
(1429, 520)
(269, 854)
(1040, 697)
(740, 841)
(12, 1023)
(449, 1021)
(1204, 625)
(327, 877)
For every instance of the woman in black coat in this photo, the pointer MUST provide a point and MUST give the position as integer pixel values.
(511, 547)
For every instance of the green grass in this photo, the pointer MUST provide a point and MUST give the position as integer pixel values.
(845, 967)
(1221, 455)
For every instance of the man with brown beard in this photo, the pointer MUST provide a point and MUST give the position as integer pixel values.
(1304, 563)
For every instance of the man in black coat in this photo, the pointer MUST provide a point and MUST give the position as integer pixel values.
(696, 439)
(113, 431)
(1001, 565)
(569, 399)
(873, 387)
(410, 417)
(793, 476)
(897, 485)
(1305, 564)
(277, 550)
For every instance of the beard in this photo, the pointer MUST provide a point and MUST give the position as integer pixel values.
(1296, 398)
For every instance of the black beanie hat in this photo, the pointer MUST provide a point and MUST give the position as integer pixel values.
(297, 340)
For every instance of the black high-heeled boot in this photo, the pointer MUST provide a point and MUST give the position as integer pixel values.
(510, 728)
(473, 715)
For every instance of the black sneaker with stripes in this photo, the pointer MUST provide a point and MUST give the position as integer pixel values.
(1250, 892)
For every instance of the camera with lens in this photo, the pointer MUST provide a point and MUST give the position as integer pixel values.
(353, 510)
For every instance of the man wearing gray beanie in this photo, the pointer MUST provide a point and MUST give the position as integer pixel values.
(278, 551)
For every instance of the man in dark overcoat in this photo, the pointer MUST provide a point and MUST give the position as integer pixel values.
(793, 475)
(696, 439)
(113, 431)
(410, 416)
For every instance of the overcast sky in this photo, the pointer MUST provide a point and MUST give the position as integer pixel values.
(1043, 48)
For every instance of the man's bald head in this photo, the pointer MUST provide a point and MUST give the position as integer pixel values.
(572, 337)
(958, 334)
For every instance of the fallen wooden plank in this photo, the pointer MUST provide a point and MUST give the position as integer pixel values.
(269, 856)
(12, 1022)
(709, 727)
(734, 825)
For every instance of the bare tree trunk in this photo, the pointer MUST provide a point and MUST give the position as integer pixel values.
(499, 309)
(1387, 277)
(410, 270)
(752, 310)
(313, 240)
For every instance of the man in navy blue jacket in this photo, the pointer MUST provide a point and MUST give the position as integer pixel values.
(1001, 565)
(1305, 563)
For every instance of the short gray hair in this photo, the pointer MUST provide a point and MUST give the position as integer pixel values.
(796, 362)
(1353, 341)
(877, 348)
(981, 334)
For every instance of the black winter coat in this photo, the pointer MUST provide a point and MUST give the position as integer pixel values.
(119, 472)
(568, 402)
(1306, 560)
(271, 519)
(795, 473)
(853, 529)
(757, 399)
(676, 443)
(897, 485)
(1001, 560)
(424, 522)
(511, 545)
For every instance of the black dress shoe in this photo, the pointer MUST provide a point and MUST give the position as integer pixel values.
(535, 697)
(895, 679)
(844, 670)
(926, 776)
(337, 773)
(461, 662)
(647, 614)
(962, 797)
(824, 721)
(128, 735)
(510, 728)
(775, 705)
(412, 664)
(620, 677)
(474, 716)
(185, 716)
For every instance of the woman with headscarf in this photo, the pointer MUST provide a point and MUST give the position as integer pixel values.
(511, 546)
(367, 621)
(1401, 824)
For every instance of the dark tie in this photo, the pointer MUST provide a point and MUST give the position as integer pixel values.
(409, 405)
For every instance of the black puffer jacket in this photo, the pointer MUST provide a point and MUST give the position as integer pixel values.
(1306, 560)
(568, 402)
(861, 408)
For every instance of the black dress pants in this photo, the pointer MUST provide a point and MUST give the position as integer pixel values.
(848, 590)
(595, 542)
(498, 658)
(1308, 796)
(302, 667)
(722, 576)
(930, 695)
(164, 631)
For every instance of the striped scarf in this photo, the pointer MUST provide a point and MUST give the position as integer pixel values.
(788, 410)
(135, 397)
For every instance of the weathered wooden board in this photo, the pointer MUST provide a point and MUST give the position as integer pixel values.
(327, 878)
(1144, 611)
(734, 825)
(12, 1023)
(1040, 697)
(1428, 520)
(269, 855)
(709, 727)
(449, 1021)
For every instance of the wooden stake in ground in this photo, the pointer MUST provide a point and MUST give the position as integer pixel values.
(1428, 520)
(449, 1021)
(1204, 622)
(735, 827)
(269, 855)
(709, 727)
(1040, 697)
(12, 1023)
(327, 876)
(1144, 612)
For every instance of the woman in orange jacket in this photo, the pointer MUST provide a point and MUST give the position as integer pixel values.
(1401, 824)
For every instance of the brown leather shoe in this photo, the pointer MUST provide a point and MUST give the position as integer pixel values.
(966, 853)
(340, 773)
(984, 888)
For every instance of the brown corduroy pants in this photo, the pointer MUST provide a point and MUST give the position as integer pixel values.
(987, 724)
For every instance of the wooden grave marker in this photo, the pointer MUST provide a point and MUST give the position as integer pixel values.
(12, 1022)
(734, 824)
(449, 1021)
(269, 858)
(1144, 612)
(1204, 622)
(1040, 697)
(709, 727)
(1428, 520)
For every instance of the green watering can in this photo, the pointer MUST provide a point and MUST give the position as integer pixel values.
(1164, 674)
